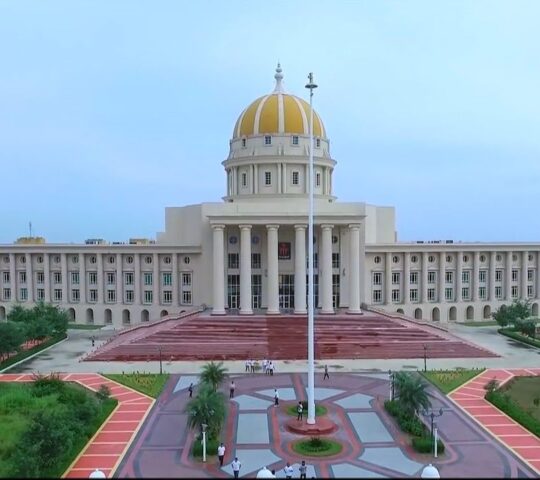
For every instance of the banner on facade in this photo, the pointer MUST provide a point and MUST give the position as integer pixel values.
(284, 250)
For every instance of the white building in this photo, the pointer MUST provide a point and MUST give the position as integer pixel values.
(249, 251)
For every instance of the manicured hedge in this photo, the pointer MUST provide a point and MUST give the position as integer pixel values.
(519, 337)
(507, 405)
(211, 447)
(28, 353)
(425, 445)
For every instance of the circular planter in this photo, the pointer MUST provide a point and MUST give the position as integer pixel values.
(328, 448)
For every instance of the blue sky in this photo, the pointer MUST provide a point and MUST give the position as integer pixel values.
(111, 111)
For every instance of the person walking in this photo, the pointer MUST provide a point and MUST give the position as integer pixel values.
(264, 365)
(231, 389)
(236, 465)
(190, 390)
(288, 470)
(326, 375)
(253, 364)
(221, 453)
(303, 469)
(248, 365)
(271, 367)
(300, 411)
(276, 397)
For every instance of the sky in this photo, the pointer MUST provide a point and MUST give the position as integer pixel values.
(111, 111)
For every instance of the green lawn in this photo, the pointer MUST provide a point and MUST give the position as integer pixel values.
(20, 402)
(511, 333)
(319, 410)
(523, 391)
(324, 447)
(150, 384)
(486, 323)
(83, 326)
(448, 380)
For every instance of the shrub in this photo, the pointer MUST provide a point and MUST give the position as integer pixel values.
(508, 406)
(47, 385)
(104, 392)
(212, 445)
(425, 445)
(492, 385)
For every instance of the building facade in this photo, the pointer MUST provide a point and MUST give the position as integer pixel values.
(248, 253)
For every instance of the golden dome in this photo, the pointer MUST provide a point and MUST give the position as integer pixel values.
(278, 113)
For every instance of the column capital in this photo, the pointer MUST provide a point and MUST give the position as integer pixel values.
(271, 227)
(218, 227)
(354, 226)
(327, 226)
(300, 226)
(244, 226)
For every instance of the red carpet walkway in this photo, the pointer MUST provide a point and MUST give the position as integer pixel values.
(470, 397)
(107, 447)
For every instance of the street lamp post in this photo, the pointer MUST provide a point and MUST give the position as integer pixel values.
(311, 327)
(432, 416)
(203, 426)
(425, 357)
(160, 363)
(391, 374)
(435, 435)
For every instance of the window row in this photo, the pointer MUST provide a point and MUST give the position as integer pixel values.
(295, 140)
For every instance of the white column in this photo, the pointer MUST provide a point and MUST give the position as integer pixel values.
(218, 307)
(424, 277)
(459, 273)
(442, 276)
(354, 269)
(63, 266)
(475, 277)
(273, 275)
(47, 274)
(137, 280)
(256, 178)
(492, 269)
(537, 283)
(156, 281)
(326, 264)
(279, 178)
(13, 277)
(388, 278)
(119, 279)
(300, 269)
(524, 262)
(29, 278)
(245, 270)
(508, 277)
(175, 284)
(406, 278)
(362, 254)
(82, 278)
(100, 282)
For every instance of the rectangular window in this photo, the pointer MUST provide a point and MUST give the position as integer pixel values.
(255, 260)
(186, 279)
(295, 178)
(530, 291)
(75, 278)
(92, 278)
(295, 140)
(318, 142)
(128, 278)
(482, 275)
(315, 260)
(318, 179)
(395, 295)
(431, 294)
(482, 293)
(449, 293)
(148, 296)
(268, 178)
(377, 296)
(93, 295)
(40, 294)
(40, 277)
(413, 278)
(396, 278)
(431, 277)
(75, 295)
(57, 278)
(6, 277)
(167, 297)
(186, 298)
(167, 279)
(377, 278)
(413, 295)
(449, 277)
(498, 275)
(57, 295)
(335, 260)
(530, 275)
(498, 292)
(148, 278)
(267, 140)
(111, 296)
(514, 275)
(7, 294)
(243, 142)
(111, 278)
(244, 179)
(22, 277)
(23, 294)
(465, 276)
(465, 293)
(128, 296)
(233, 260)
(514, 291)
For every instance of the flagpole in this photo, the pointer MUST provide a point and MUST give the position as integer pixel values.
(311, 327)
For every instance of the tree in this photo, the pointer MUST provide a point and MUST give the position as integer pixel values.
(11, 338)
(411, 392)
(521, 309)
(503, 315)
(208, 407)
(19, 314)
(213, 374)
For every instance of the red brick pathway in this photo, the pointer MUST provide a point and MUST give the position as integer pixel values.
(107, 447)
(470, 397)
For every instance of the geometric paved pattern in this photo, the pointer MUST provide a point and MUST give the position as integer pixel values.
(470, 397)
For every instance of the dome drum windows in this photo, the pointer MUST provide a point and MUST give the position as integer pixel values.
(267, 140)
(268, 178)
(295, 140)
(295, 178)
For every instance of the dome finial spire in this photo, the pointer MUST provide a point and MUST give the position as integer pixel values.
(279, 77)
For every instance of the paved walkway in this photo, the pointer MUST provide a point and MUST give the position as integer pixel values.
(254, 431)
(470, 397)
(108, 446)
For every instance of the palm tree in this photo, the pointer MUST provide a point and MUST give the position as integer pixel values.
(208, 407)
(411, 392)
(213, 375)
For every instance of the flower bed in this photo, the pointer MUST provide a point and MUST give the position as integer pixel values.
(317, 447)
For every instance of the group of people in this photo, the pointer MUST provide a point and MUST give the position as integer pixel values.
(268, 366)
